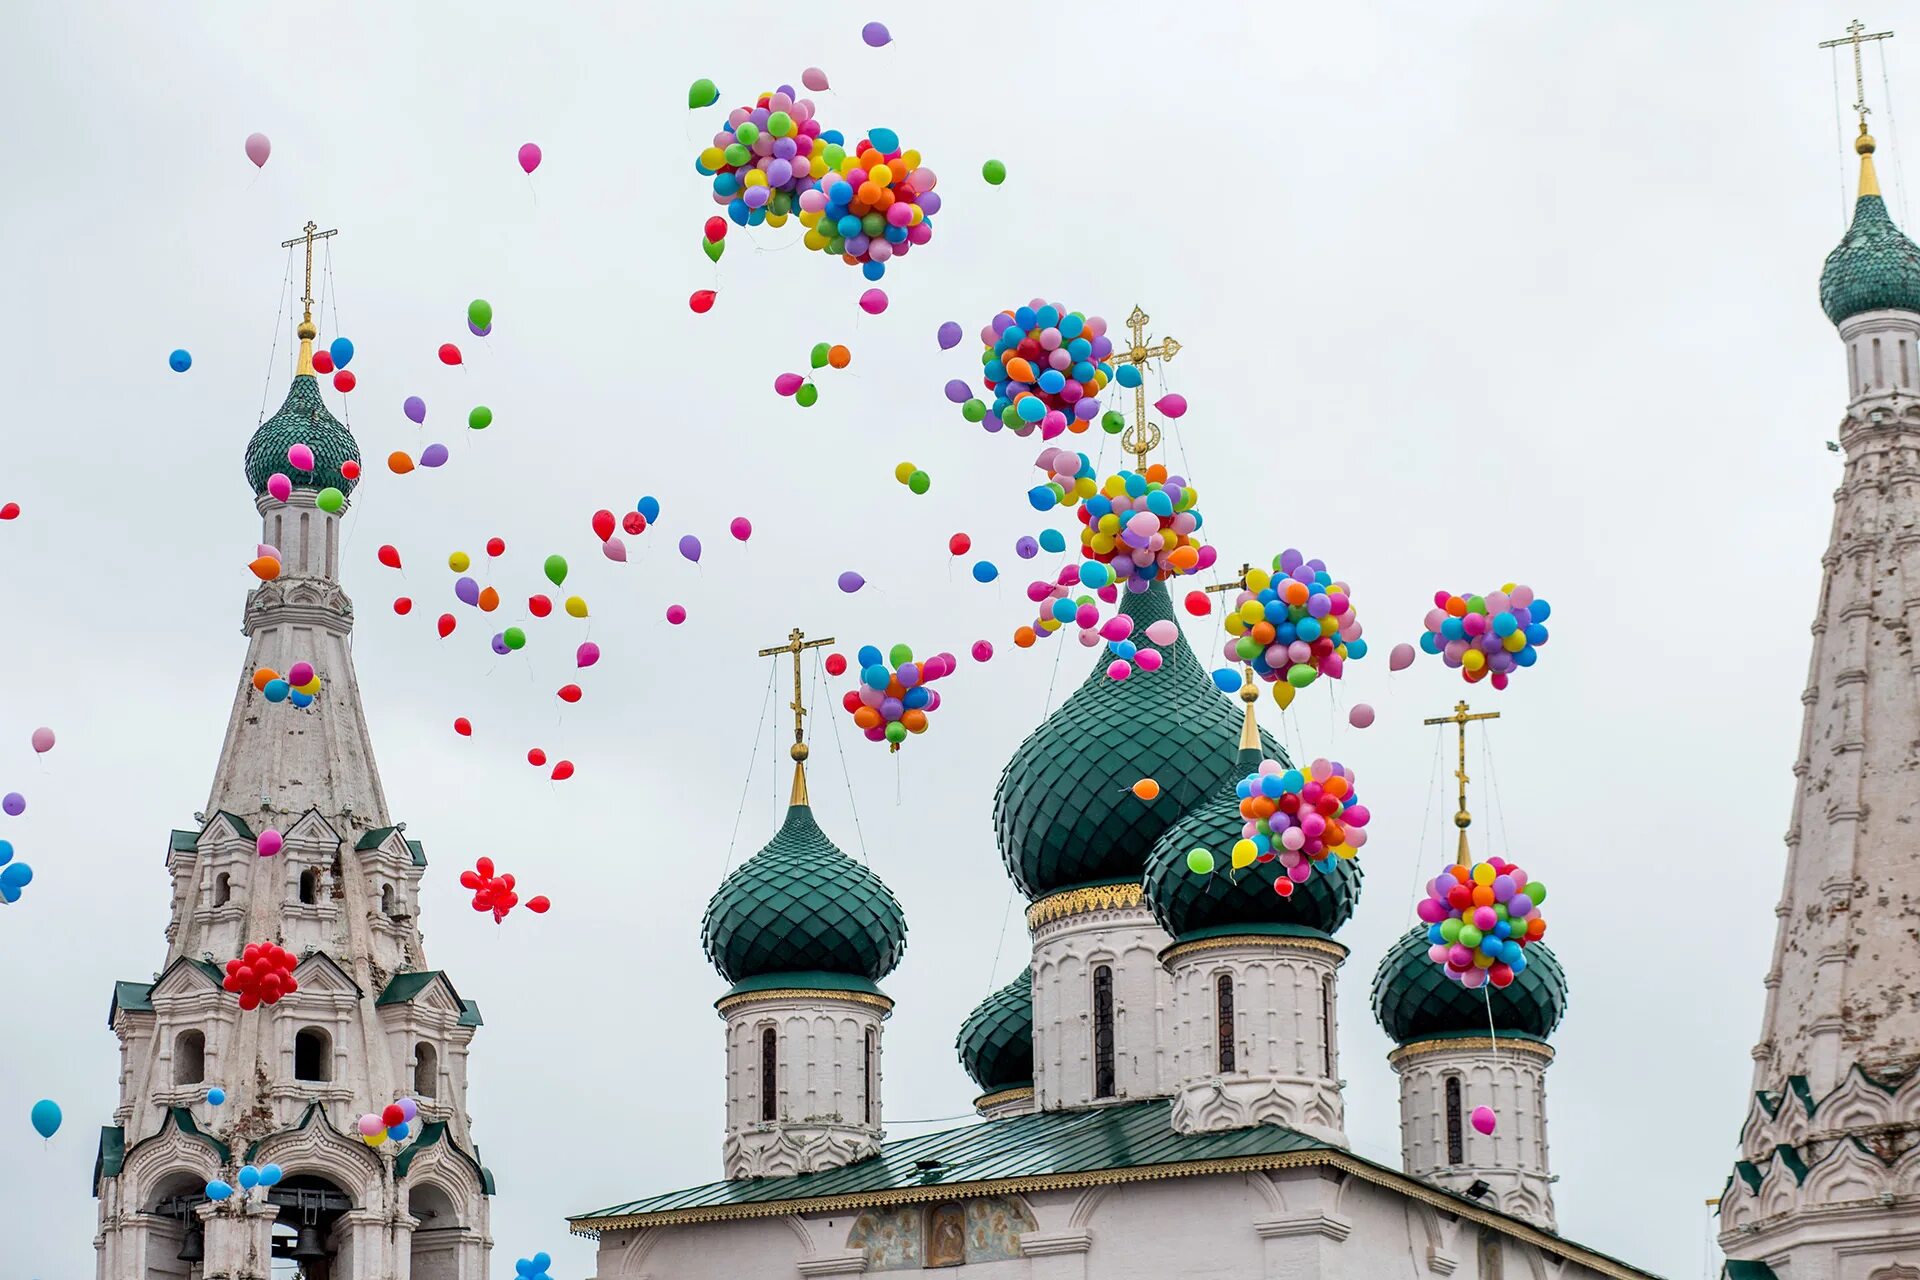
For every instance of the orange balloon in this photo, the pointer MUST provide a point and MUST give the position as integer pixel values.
(1146, 789)
(1459, 873)
(1265, 807)
(1535, 928)
(895, 689)
(1024, 637)
(915, 720)
(1186, 558)
(867, 718)
(1336, 786)
(1456, 607)
(839, 357)
(1158, 471)
(1261, 632)
(1335, 834)
(399, 463)
(263, 677)
(266, 568)
(1295, 592)
(1483, 895)
(1018, 369)
(1247, 810)
(489, 599)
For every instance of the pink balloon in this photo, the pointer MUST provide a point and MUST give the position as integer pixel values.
(1401, 658)
(1119, 669)
(1164, 632)
(300, 457)
(741, 528)
(586, 655)
(1361, 716)
(873, 301)
(1484, 1120)
(269, 843)
(280, 486)
(676, 614)
(529, 156)
(1174, 405)
(788, 383)
(815, 79)
(982, 650)
(300, 673)
(271, 553)
(43, 740)
(370, 1125)
(614, 549)
(258, 149)
(1149, 659)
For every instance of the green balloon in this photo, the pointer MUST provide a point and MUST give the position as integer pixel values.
(873, 224)
(919, 482)
(896, 733)
(835, 154)
(1113, 422)
(746, 132)
(514, 637)
(738, 154)
(714, 248)
(1300, 675)
(973, 411)
(994, 172)
(1200, 862)
(556, 569)
(780, 202)
(837, 246)
(1534, 889)
(480, 417)
(1470, 936)
(702, 93)
(807, 395)
(479, 313)
(330, 499)
(819, 357)
(1010, 417)
(779, 124)
(1450, 930)
(1248, 648)
(900, 655)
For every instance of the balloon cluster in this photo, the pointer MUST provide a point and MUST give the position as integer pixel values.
(300, 686)
(1046, 367)
(249, 1177)
(534, 1268)
(1480, 919)
(496, 893)
(266, 563)
(261, 974)
(14, 876)
(1069, 479)
(1302, 818)
(1060, 607)
(869, 205)
(1139, 528)
(764, 157)
(392, 1124)
(334, 359)
(1295, 624)
(893, 697)
(1488, 635)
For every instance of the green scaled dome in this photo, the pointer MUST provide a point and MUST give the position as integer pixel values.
(1185, 903)
(996, 1041)
(1414, 1000)
(1064, 813)
(802, 906)
(303, 419)
(1874, 267)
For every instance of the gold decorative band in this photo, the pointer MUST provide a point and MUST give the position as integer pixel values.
(1003, 1096)
(1074, 902)
(1473, 1044)
(729, 1003)
(1268, 941)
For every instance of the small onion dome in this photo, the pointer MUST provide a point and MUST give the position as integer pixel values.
(1874, 267)
(800, 906)
(303, 419)
(1064, 812)
(1414, 1000)
(996, 1041)
(1185, 902)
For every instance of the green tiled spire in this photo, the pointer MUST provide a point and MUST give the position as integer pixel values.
(1414, 1000)
(996, 1041)
(1874, 267)
(800, 905)
(303, 419)
(1064, 812)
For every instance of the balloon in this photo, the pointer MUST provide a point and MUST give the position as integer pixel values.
(603, 524)
(873, 301)
(676, 614)
(815, 79)
(539, 606)
(446, 625)
(1484, 1121)
(1401, 658)
(1488, 636)
(270, 1175)
(467, 591)
(43, 740)
(838, 356)
(787, 383)
(403, 605)
(463, 726)
(269, 843)
(459, 561)
(1173, 405)
(13, 804)
(11, 511)
(330, 500)
(807, 395)
(536, 757)
(702, 300)
(300, 457)
(690, 547)
(575, 607)
(279, 486)
(399, 463)
(615, 550)
(370, 1125)
(529, 161)
(648, 507)
(994, 172)
(702, 93)
(556, 570)
(1361, 715)
(562, 771)
(1146, 789)
(480, 313)
(46, 1117)
(389, 555)
(587, 654)
(985, 571)
(959, 544)
(249, 1177)
(218, 1191)
(741, 528)
(948, 335)
(216, 1095)
(982, 650)
(515, 638)
(876, 35)
(1200, 862)
(341, 349)
(449, 354)
(851, 582)
(479, 418)
(258, 149)
(415, 408)
(1293, 624)
(323, 361)
(179, 360)
(539, 905)
(350, 468)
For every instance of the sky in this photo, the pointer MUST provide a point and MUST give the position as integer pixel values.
(1467, 294)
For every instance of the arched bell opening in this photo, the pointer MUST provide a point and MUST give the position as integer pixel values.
(176, 1244)
(436, 1240)
(308, 1240)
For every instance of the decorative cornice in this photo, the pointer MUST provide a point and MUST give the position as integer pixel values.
(1468, 1044)
(1000, 1097)
(727, 1004)
(845, 1264)
(1254, 941)
(1047, 1244)
(1074, 902)
(1314, 1224)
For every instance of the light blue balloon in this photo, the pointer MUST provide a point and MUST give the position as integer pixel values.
(342, 352)
(277, 690)
(542, 1261)
(6, 852)
(249, 1177)
(46, 1117)
(16, 876)
(270, 1176)
(1227, 679)
(216, 1095)
(1055, 541)
(300, 699)
(1128, 376)
(218, 1191)
(1356, 649)
(886, 142)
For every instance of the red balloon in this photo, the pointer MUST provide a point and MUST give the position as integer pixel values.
(836, 664)
(449, 354)
(10, 512)
(496, 546)
(446, 625)
(463, 727)
(716, 229)
(344, 381)
(392, 1115)
(390, 556)
(350, 469)
(959, 544)
(249, 1001)
(633, 522)
(603, 524)
(536, 757)
(563, 771)
(538, 905)
(484, 866)
(323, 361)
(1198, 604)
(539, 606)
(403, 606)
(569, 693)
(851, 700)
(702, 301)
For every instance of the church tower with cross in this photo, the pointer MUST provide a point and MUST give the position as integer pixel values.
(296, 846)
(1827, 1178)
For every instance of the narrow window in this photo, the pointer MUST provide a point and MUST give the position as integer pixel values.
(1906, 370)
(386, 900)
(333, 542)
(1103, 1031)
(1879, 377)
(426, 1070)
(1456, 1147)
(1853, 365)
(872, 1045)
(1326, 1026)
(769, 1067)
(279, 530)
(312, 1059)
(222, 889)
(1223, 1018)
(309, 887)
(189, 1058)
(306, 541)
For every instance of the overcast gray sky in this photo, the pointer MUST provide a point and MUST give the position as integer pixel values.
(1468, 293)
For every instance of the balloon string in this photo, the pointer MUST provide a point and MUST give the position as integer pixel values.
(1493, 785)
(279, 314)
(746, 784)
(846, 775)
(1426, 821)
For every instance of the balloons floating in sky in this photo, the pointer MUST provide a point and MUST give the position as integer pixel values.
(1480, 919)
(434, 455)
(815, 79)
(43, 740)
(676, 614)
(341, 350)
(893, 699)
(702, 301)
(1295, 623)
(300, 457)
(1172, 404)
(180, 360)
(1491, 635)
(46, 1117)
(480, 314)
(949, 335)
(258, 149)
(1361, 716)
(1401, 658)
(876, 35)
(449, 354)
(741, 528)
(873, 301)
(586, 655)
(702, 93)
(1046, 367)
(463, 726)
(529, 156)
(690, 547)
(994, 172)
(11, 511)
(416, 409)
(851, 582)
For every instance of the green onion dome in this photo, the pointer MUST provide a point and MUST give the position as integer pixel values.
(800, 906)
(1064, 812)
(1874, 267)
(303, 419)
(996, 1041)
(1414, 1000)
(1185, 903)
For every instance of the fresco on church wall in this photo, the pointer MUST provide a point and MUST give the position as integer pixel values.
(993, 1229)
(946, 1236)
(889, 1237)
(943, 1235)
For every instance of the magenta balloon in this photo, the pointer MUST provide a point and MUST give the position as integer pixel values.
(982, 650)
(873, 301)
(416, 409)
(690, 547)
(676, 614)
(279, 486)
(529, 156)
(787, 383)
(741, 528)
(586, 655)
(851, 582)
(949, 335)
(300, 457)
(300, 673)
(815, 79)
(258, 149)
(1174, 405)
(1484, 1121)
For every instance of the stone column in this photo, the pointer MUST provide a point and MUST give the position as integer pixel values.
(821, 1108)
(239, 1236)
(1508, 1075)
(1077, 933)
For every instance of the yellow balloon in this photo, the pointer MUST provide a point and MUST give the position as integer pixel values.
(311, 687)
(1235, 625)
(1109, 523)
(814, 240)
(374, 1139)
(1252, 611)
(754, 178)
(909, 160)
(1083, 488)
(576, 607)
(903, 471)
(777, 219)
(459, 561)
(1473, 659)
(1515, 642)
(1283, 694)
(881, 174)
(713, 158)
(1244, 853)
(817, 167)
(1258, 579)
(1344, 850)
(1483, 873)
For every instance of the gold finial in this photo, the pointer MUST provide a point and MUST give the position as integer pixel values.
(1856, 36)
(1462, 819)
(796, 644)
(308, 234)
(1142, 437)
(1249, 692)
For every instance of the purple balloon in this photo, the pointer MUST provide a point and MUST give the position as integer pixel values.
(416, 409)
(467, 591)
(500, 644)
(1026, 548)
(851, 582)
(434, 455)
(876, 34)
(479, 332)
(949, 335)
(959, 392)
(15, 804)
(690, 547)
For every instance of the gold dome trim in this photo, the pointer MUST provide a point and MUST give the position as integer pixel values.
(1473, 1044)
(1270, 941)
(1075, 902)
(1000, 1097)
(726, 1004)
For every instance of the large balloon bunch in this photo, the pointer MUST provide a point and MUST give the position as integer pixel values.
(496, 893)
(1046, 367)
(1480, 920)
(1139, 528)
(393, 1123)
(261, 974)
(869, 205)
(893, 699)
(765, 156)
(534, 1268)
(1295, 624)
(1490, 635)
(1069, 479)
(1059, 608)
(1302, 818)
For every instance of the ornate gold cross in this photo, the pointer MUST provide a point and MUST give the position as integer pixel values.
(1856, 37)
(797, 643)
(1463, 819)
(1142, 437)
(308, 234)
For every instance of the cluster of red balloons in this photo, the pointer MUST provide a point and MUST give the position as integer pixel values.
(496, 893)
(261, 974)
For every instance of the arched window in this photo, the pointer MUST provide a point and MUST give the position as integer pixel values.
(426, 1070)
(310, 887)
(873, 1052)
(1327, 1025)
(386, 900)
(1456, 1142)
(1103, 1031)
(1223, 1020)
(769, 1068)
(189, 1058)
(222, 889)
(312, 1055)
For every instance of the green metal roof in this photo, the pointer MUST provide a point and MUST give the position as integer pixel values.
(1064, 811)
(436, 1131)
(180, 841)
(131, 997)
(1739, 1270)
(469, 1014)
(1873, 268)
(404, 987)
(419, 852)
(110, 1156)
(800, 904)
(303, 419)
(1414, 1000)
(376, 837)
(996, 1041)
(804, 980)
(1183, 902)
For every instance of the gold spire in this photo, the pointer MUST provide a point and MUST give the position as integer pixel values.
(1856, 36)
(306, 331)
(1249, 728)
(1462, 819)
(1869, 181)
(797, 642)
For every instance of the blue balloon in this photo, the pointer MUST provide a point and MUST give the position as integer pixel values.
(1052, 381)
(917, 698)
(1094, 574)
(270, 1175)
(1124, 649)
(180, 361)
(1128, 376)
(216, 1096)
(277, 690)
(542, 1261)
(834, 136)
(1430, 642)
(885, 141)
(16, 876)
(1227, 679)
(397, 1132)
(1434, 936)
(873, 270)
(1536, 634)
(1064, 611)
(869, 656)
(985, 571)
(1540, 610)
(342, 352)
(46, 1117)
(218, 1191)
(523, 1266)
(1031, 409)
(300, 699)
(876, 676)
(6, 852)
(1042, 496)
(249, 1177)
(649, 507)
(1055, 541)
(1356, 648)
(1504, 624)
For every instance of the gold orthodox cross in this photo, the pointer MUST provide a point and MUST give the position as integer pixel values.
(1462, 819)
(1142, 437)
(797, 643)
(308, 234)
(1856, 36)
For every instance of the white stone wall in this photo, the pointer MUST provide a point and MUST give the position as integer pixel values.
(1065, 954)
(1510, 1077)
(1286, 1067)
(824, 1115)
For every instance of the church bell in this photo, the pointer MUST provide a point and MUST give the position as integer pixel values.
(193, 1245)
(308, 1246)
